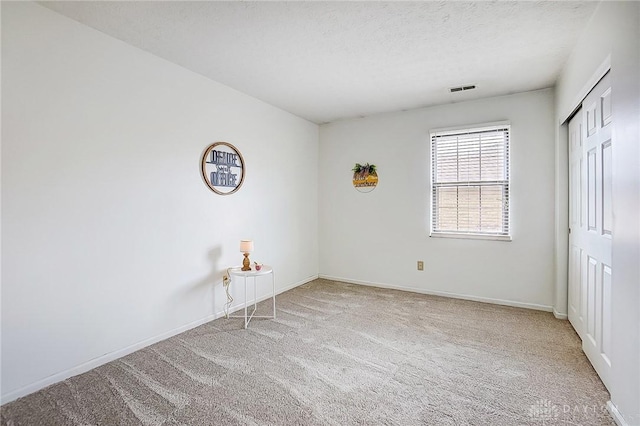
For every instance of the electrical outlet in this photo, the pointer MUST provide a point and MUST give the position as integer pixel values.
(420, 265)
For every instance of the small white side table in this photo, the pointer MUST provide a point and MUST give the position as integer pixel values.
(265, 270)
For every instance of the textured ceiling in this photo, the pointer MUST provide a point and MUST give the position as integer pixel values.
(326, 61)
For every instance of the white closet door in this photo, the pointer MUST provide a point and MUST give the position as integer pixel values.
(591, 224)
(576, 224)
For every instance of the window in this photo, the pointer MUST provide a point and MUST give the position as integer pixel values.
(470, 182)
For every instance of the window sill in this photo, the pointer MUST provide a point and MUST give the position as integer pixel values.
(506, 238)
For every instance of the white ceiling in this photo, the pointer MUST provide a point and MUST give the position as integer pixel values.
(326, 61)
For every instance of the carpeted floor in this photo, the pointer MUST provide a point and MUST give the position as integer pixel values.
(341, 354)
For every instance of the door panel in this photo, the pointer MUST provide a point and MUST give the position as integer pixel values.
(591, 222)
(592, 264)
(605, 111)
(591, 191)
(607, 213)
(606, 313)
(591, 118)
(577, 295)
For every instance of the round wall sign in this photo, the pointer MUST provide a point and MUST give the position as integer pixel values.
(223, 168)
(365, 177)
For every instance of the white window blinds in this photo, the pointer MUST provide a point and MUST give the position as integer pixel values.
(470, 181)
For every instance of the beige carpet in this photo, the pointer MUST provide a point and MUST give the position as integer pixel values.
(342, 354)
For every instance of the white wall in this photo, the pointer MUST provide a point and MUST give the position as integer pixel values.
(377, 237)
(613, 36)
(111, 239)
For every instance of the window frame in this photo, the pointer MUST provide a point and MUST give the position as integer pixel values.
(473, 128)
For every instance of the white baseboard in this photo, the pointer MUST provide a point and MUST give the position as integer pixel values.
(444, 294)
(559, 316)
(111, 356)
(617, 417)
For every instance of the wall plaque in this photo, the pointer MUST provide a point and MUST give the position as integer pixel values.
(365, 177)
(223, 168)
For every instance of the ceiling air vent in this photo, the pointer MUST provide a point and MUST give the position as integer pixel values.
(462, 88)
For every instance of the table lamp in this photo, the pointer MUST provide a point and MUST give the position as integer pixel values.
(246, 247)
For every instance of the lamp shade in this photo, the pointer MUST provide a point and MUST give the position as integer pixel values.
(246, 246)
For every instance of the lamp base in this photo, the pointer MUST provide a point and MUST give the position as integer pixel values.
(246, 264)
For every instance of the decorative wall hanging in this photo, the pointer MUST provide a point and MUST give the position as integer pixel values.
(223, 168)
(365, 177)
